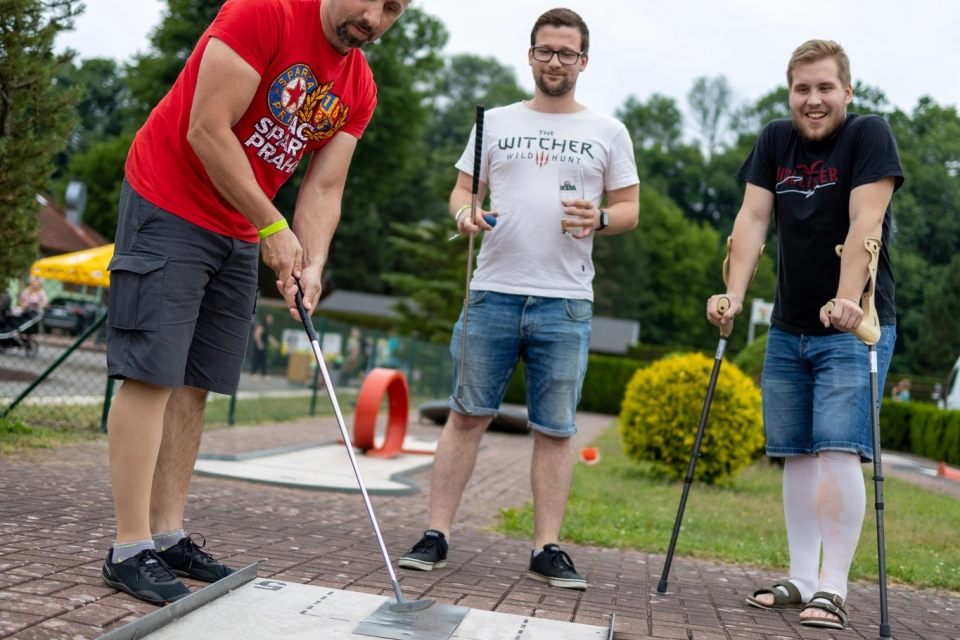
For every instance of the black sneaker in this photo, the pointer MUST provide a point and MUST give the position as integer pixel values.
(144, 576)
(555, 568)
(186, 558)
(428, 554)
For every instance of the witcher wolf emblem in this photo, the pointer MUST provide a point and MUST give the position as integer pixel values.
(324, 112)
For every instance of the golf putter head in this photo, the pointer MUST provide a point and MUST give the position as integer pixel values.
(869, 330)
(411, 606)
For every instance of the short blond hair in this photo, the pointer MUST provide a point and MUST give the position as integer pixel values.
(817, 50)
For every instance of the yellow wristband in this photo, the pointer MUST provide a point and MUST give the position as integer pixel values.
(269, 230)
(461, 210)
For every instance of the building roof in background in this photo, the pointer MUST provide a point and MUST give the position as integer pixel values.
(609, 335)
(368, 304)
(59, 234)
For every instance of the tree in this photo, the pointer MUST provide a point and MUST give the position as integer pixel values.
(101, 168)
(939, 343)
(36, 118)
(102, 105)
(711, 100)
(435, 286)
(151, 74)
(655, 125)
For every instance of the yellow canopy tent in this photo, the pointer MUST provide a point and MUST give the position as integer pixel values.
(87, 267)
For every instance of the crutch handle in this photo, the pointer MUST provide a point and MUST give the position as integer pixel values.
(722, 305)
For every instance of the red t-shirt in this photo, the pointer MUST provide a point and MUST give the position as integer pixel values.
(308, 92)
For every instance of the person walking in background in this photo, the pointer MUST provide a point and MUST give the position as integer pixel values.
(546, 160)
(829, 176)
(268, 85)
(262, 340)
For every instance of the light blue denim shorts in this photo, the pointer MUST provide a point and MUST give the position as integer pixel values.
(552, 335)
(816, 392)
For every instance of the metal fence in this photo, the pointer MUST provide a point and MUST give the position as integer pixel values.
(62, 383)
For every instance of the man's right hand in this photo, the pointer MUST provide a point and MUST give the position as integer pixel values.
(282, 253)
(721, 319)
(466, 227)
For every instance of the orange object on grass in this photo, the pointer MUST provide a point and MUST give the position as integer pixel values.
(380, 382)
(948, 472)
(589, 455)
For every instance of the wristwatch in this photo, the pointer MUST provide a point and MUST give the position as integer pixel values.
(604, 220)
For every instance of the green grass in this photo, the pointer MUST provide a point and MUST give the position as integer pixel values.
(623, 504)
(16, 436)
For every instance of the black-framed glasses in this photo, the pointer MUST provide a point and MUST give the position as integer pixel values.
(566, 57)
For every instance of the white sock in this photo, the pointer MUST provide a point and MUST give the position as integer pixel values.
(801, 478)
(842, 503)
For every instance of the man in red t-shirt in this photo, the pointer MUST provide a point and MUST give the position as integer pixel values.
(268, 83)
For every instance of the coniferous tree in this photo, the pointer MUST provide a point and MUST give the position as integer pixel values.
(36, 117)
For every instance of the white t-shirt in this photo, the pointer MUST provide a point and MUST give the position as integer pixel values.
(526, 155)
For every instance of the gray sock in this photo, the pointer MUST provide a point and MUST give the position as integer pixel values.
(126, 550)
(164, 541)
(537, 552)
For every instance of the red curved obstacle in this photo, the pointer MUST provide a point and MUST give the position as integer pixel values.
(381, 382)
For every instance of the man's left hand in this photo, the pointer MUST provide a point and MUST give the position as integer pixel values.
(846, 315)
(310, 286)
(588, 214)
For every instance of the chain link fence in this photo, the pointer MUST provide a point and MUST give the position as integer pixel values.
(54, 377)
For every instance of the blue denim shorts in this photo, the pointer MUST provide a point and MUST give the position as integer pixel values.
(816, 392)
(552, 335)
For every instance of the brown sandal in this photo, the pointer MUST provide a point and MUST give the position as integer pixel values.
(791, 601)
(833, 604)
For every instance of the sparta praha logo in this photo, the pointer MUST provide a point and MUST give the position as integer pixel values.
(303, 111)
(297, 97)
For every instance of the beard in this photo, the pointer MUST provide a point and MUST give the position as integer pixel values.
(349, 40)
(557, 88)
(826, 132)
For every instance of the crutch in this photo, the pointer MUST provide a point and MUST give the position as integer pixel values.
(477, 151)
(401, 605)
(722, 305)
(869, 333)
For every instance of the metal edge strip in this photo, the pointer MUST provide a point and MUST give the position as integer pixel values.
(170, 613)
(613, 623)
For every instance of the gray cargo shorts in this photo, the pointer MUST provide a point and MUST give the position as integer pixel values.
(182, 300)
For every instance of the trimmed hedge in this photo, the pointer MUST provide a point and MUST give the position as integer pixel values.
(921, 429)
(603, 386)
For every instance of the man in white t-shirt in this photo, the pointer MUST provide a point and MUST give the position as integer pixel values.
(545, 160)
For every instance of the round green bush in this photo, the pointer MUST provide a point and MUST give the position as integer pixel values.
(661, 411)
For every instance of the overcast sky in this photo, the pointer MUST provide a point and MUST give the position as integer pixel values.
(639, 47)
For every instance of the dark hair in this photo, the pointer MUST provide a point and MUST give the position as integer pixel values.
(562, 18)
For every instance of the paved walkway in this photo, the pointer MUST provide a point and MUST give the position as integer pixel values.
(56, 522)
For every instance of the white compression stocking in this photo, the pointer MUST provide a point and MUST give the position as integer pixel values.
(841, 504)
(801, 479)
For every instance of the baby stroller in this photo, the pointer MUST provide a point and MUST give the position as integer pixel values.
(14, 327)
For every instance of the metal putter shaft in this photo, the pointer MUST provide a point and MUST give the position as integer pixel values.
(722, 305)
(402, 605)
(869, 333)
(477, 151)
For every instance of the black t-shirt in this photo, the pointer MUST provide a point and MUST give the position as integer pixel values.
(811, 183)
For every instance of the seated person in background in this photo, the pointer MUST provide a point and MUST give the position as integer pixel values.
(901, 391)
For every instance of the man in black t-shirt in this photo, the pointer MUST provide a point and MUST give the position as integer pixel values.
(828, 177)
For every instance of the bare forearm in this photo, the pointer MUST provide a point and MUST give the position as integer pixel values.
(749, 235)
(855, 259)
(623, 217)
(314, 223)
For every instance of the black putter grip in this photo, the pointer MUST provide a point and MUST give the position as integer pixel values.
(304, 316)
(478, 150)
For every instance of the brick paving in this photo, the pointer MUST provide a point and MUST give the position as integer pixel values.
(56, 523)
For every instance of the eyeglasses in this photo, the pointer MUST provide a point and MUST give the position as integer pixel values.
(545, 54)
